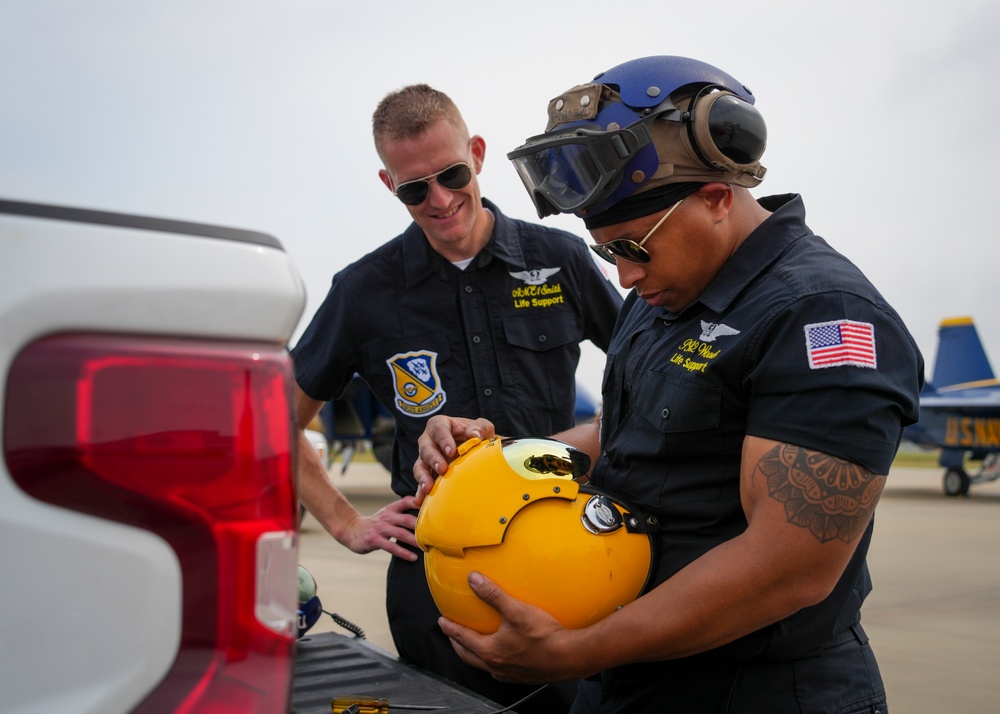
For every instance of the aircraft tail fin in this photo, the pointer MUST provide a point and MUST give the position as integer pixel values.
(961, 359)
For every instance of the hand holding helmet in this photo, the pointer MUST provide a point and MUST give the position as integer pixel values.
(438, 445)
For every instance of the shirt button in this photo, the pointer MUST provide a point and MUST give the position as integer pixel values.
(468, 288)
(488, 392)
(665, 414)
(542, 338)
(476, 339)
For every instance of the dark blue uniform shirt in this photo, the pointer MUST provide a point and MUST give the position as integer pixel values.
(498, 340)
(789, 342)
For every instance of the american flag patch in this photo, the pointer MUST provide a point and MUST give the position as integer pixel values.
(840, 342)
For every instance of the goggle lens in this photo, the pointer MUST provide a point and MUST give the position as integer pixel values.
(565, 174)
(415, 192)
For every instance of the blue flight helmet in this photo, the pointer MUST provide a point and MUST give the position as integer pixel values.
(644, 123)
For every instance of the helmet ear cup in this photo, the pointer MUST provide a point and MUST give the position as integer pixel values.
(726, 132)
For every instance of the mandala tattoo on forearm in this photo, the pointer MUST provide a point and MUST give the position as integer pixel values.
(831, 497)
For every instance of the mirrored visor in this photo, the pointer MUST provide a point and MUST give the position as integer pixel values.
(544, 458)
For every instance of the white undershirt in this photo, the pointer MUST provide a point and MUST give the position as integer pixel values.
(463, 264)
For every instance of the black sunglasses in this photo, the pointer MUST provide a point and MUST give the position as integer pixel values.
(414, 192)
(627, 249)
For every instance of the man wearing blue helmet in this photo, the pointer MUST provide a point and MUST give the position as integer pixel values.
(748, 421)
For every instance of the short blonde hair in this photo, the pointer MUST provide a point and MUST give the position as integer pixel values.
(408, 112)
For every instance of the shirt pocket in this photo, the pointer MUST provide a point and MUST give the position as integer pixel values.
(676, 425)
(542, 332)
(541, 359)
(676, 406)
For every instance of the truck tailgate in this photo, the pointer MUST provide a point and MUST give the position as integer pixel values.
(330, 664)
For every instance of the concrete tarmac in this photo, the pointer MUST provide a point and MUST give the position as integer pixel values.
(933, 617)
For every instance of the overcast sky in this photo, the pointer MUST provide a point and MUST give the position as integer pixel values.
(257, 115)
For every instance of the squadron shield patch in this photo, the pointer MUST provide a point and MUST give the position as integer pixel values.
(416, 383)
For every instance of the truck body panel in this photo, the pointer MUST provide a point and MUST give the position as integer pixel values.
(91, 607)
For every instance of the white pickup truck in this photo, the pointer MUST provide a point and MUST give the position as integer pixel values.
(148, 508)
(147, 497)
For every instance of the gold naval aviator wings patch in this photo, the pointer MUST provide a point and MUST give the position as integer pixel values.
(417, 385)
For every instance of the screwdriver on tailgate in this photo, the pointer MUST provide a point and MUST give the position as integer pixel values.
(347, 704)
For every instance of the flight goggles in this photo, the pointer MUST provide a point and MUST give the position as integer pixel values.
(415, 192)
(581, 165)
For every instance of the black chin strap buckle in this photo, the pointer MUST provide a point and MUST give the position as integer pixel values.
(637, 522)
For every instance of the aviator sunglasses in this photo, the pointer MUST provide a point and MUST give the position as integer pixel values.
(627, 249)
(414, 192)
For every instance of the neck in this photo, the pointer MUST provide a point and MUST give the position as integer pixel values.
(751, 214)
(479, 236)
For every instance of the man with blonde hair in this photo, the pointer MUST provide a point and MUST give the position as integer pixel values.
(467, 310)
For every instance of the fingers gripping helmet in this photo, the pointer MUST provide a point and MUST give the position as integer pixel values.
(641, 124)
(511, 510)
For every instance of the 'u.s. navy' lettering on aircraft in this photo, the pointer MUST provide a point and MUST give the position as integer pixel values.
(536, 292)
(416, 383)
(972, 432)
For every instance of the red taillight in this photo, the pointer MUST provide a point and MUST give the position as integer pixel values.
(192, 441)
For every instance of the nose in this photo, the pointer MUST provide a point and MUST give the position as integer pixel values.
(439, 196)
(628, 273)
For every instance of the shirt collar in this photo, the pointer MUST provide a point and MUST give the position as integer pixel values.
(504, 244)
(763, 246)
(420, 261)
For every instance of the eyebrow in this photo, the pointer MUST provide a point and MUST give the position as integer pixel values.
(627, 235)
(435, 173)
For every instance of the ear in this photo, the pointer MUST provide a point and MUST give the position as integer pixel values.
(386, 179)
(478, 144)
(718, 197)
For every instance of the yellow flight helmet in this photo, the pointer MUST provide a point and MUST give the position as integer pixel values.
(511, 510)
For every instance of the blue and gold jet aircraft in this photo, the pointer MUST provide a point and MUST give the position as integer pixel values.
(960, 408)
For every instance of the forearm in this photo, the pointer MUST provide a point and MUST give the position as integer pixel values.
(784, 561)
(327, 504)
(715, 600)
(791, 555)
